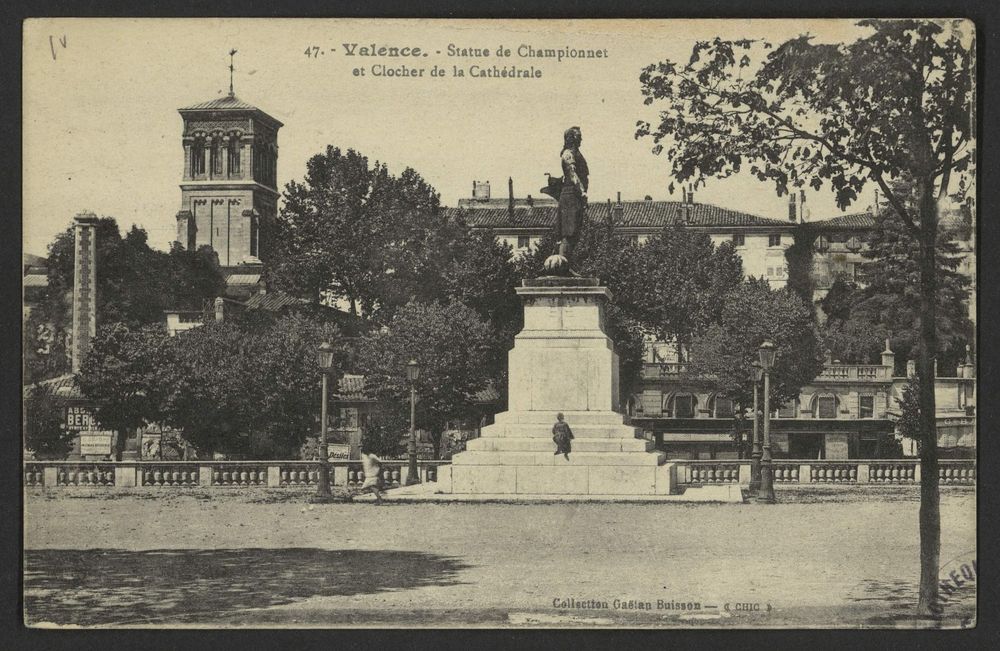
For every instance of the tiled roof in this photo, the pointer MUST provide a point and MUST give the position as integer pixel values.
(226, 102)
(64, 386)
(352, 387)
(487, 395)
(36, 280)
(32, 260)
(866, 220)
(274, 301)
(634, 214)
(242, 279)
(856, 220)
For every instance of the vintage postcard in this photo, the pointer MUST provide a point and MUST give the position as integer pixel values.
(499, 323)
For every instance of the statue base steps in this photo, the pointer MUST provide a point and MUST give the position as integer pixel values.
(562, 361)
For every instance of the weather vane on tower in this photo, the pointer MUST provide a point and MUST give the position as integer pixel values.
(232, 53)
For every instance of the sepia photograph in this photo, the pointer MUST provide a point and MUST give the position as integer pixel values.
(499, 323)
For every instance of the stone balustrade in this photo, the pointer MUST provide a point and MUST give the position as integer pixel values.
(711, 472)
(291, 474)
(856, 372)
(212, 474)
(796, 471)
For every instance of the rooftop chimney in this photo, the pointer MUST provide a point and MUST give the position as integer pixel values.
(510, 197)
(791, 207)
(84, 286)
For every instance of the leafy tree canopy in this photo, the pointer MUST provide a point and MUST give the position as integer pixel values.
(349, 228)
(45, 433)
(751, 314)
(859, 319)
(247, 386)
(123, 377)
(458, 352)
(136, 283)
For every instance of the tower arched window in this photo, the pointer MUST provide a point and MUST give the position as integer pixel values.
(216, 161)
(234, 154)
(198, 156)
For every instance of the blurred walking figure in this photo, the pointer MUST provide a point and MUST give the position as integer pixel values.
(372, 467)
(562, 435)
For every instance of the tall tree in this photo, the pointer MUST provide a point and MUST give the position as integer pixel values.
(121, 376)
(897, 103)
(456, 349)
(686, 280)
(341, 229)
(751, 314)
(800, 262)
(45, 432)
(136, 283)
(247, 386)
(888, 305)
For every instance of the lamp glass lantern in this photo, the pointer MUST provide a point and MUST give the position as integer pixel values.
(413, 371)
(766, 352)
(325, 355)
(758, 371)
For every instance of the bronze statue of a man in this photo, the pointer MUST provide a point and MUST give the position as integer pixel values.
(572, 196)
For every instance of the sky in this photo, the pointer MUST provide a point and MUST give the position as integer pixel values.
(102, 132)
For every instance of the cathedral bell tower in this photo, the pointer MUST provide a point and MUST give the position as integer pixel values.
(230, 184)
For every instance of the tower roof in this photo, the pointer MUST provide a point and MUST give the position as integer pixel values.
(228, 103)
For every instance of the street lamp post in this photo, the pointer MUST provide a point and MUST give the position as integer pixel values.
(766, 493)
(755, 455)
(323, 493)
(413, 374)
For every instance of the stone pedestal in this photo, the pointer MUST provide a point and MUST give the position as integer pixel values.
(562, 361)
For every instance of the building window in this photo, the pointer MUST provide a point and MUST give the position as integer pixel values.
(198, 156)
(774, 239)
(682, 406)
(867, 406)
(234, 155)
(523, 241)
(826, 407)
(739, 239)
(216, 157)
(723, 408)
(788, 410)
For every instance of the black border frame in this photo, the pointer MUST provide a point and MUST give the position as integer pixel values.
(16, 636)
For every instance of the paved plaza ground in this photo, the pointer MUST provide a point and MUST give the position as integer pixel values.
(833, 556)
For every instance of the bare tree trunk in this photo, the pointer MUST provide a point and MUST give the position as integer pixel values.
(930, 498)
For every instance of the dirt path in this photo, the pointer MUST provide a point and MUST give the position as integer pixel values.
(268, 559)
